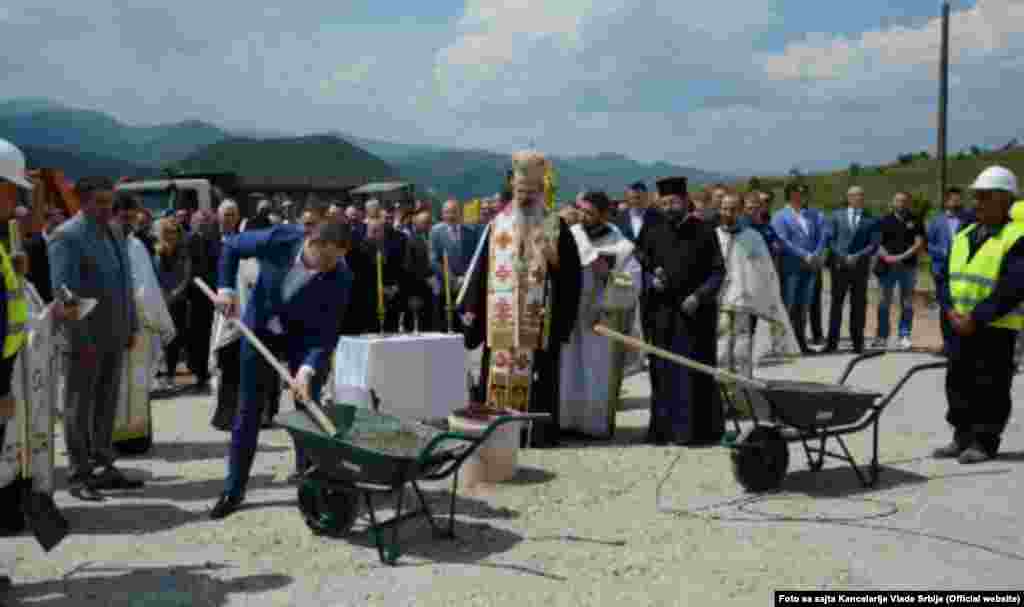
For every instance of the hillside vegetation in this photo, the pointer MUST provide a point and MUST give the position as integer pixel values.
(298, 157)
(916, 174)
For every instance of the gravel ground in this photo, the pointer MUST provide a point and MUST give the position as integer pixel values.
(588, 524)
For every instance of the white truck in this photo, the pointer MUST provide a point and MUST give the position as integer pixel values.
(162, 195)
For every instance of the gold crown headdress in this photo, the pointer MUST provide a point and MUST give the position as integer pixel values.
(529, 166)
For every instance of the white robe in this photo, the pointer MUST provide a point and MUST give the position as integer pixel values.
(751, 290)
(225, 333)
(34, 393)
(157, 328)
(591, 365)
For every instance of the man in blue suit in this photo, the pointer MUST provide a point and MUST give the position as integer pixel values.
(802, 233)
(296, 309)
(854, 239)
(459, 241)
(939, 235)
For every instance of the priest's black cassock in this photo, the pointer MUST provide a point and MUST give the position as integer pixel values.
(563, 287)
(686, 404)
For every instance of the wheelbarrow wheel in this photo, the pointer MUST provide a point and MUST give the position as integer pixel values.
(328, 511)
(759, 462)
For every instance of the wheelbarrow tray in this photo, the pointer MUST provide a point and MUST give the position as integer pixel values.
(811, 406)
(372, 448)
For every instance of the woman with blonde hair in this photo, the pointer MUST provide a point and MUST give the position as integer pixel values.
(174, 272)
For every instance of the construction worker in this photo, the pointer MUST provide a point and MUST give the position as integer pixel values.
(13, 306)
(986, 289)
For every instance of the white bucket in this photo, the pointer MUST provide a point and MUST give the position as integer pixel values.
(494, 461)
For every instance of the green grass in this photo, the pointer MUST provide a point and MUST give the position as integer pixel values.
(880, 183)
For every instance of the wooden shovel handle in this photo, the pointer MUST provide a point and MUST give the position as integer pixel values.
(643, 346)
(314, 408)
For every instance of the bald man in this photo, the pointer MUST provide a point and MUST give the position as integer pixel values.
(459, 242)
(854, 237)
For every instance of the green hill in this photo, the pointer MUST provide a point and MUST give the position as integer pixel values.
(38, 122)
(297, 157)
(76, 164)
(917, 175)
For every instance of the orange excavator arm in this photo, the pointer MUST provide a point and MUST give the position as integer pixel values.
(51, 190)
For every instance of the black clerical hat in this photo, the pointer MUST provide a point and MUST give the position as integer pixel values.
(672, 186)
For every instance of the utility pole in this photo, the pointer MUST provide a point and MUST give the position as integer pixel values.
(943, 104)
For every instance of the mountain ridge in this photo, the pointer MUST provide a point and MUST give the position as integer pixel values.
(462, 173)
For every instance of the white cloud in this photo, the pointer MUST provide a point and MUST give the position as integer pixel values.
(988, 28)
(658, 80)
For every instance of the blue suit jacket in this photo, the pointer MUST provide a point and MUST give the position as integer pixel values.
(797, 243)
(940, 240)
(312, 318)
(459, 257)
(845, 240)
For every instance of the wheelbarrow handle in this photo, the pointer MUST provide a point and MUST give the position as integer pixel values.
(643, 346)
(314, 408)
(477, 440)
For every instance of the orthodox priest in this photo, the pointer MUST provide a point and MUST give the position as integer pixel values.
(593, 366)
(750, 293)
(520, 299)
(684, 270)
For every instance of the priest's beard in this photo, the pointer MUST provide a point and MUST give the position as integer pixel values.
(528, 218)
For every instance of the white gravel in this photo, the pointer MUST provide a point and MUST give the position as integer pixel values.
(579, 527)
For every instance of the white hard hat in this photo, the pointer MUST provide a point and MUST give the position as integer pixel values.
(12, 165)
(996, 178)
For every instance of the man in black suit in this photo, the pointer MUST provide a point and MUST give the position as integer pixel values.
(853, 238)
(204, 246)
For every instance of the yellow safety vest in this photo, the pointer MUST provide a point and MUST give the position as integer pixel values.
(971, 282)
(17, 306)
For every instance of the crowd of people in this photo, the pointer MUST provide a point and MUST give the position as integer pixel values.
(714, 276)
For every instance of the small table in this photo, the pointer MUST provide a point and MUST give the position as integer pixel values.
(415, 376)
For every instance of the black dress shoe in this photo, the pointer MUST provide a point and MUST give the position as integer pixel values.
(113, 479)
(83, 487)
(5, 583)
(225, 506)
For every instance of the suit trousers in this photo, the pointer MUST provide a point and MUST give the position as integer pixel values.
(256, 375)
(90, 407)
(815, 310)
(852, 281)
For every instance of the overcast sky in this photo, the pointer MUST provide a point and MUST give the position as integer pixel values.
(728, 85)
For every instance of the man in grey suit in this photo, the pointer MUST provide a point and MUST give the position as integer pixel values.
(459, 241)
(90, 259)
(854, 237)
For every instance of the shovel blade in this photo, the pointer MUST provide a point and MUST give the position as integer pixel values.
(44, 519)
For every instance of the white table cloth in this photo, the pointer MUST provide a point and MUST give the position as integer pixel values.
(417, 377)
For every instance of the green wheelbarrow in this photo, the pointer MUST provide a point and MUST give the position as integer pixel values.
(374, 455)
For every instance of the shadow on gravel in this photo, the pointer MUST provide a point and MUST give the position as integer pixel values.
(474, 542)
(169, 488)
(173, 586)
(188, 452)
(107, 518)
(841, 481)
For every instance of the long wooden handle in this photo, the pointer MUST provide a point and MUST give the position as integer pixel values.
(638, 344)
(314, 408)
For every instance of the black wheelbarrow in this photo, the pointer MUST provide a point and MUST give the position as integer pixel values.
(375, 455)
(783, 412)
